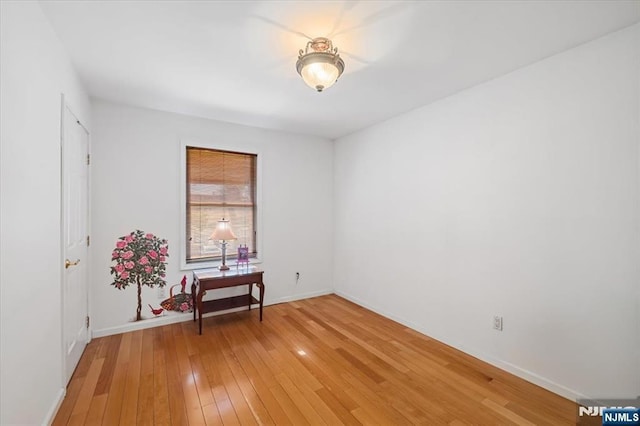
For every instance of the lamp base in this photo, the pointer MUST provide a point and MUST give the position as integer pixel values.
(224, 266)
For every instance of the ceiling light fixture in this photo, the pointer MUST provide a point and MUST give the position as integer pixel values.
(319, 64)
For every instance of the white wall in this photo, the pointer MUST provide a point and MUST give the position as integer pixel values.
(35, 71)
(136, 184)
(519, 197)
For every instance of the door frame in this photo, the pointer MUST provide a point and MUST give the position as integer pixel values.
(64, 107)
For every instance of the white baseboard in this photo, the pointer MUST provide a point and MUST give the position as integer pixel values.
(171, 318)
(301, 296)
(51, 414)
(175, 317)
(503, 365)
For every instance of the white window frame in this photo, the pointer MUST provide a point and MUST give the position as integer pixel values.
(184, 143)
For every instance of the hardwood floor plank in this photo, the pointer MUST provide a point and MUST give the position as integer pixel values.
(129, 413)
(527, 394)
(146, 390)
(110, 355)
(211, 415)
(96, 410)
(263, 374)
(200, 379)
(321, 370)
(124, 350)
(259, 411)
(539, 418)
(211, 362)
(191, 339)
(240, 405)
(319, 359)
(64, 412)
(195, 416)
(85, 361)
(506, 413)
(182, 354)
(161, 413)
(370, 401)
(311, 362)
(299, 400)
(83, 401)
(271, 403)
(115, 391)
(293, 411)
(372, 349)
(177, 408)
(116, 394)
(283, 356)
(344, 416)
(364, 417)
(361, 366)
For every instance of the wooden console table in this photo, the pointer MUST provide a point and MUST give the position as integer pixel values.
(211, 279)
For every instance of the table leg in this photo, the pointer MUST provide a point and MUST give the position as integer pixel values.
(261, 287)
(250, 294)
(193, 298)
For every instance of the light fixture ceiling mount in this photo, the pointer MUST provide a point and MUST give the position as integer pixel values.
(319, 64)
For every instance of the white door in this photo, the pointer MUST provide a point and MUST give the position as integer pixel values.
(75, 209)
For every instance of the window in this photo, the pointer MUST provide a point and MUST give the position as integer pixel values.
(219, 184)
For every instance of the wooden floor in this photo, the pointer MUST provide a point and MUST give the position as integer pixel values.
(318, 361)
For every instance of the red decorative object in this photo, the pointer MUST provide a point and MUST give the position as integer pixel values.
(181, 302)
(156, 312)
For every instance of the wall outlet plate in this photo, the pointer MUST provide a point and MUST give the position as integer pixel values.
(162, 292)
(497, 323)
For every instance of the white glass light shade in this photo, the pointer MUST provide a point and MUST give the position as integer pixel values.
(320, 75)
(319, 64)
(223, 231)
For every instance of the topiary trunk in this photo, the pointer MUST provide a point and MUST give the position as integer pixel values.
(139, 310)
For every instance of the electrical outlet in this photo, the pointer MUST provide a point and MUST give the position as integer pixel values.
(162, 293)
(497, 323)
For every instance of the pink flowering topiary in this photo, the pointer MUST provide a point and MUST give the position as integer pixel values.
(136, 261)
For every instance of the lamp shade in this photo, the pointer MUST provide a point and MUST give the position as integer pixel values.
(223, 231)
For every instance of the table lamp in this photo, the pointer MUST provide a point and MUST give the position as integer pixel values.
(223, 233)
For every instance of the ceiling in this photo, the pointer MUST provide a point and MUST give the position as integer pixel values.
(235, 60)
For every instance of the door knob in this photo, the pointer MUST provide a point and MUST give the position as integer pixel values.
(68, 263)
